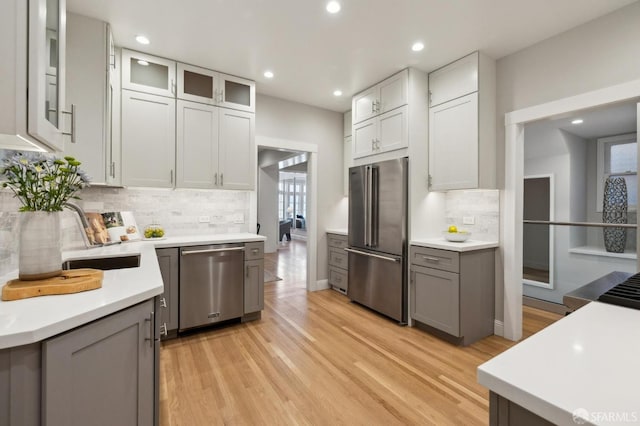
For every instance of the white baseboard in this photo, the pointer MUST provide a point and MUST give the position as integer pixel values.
(498, 328)
(321, 285)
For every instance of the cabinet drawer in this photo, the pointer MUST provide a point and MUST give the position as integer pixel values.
(337, 241)
(444, 260)
(338, 278)
(253, 250)
(339, 258)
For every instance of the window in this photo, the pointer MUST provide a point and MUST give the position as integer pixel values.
(292, 199)
(618, 157)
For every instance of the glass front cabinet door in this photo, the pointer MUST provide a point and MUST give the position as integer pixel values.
(47, 33)
(148, 74)
(237, 93)
(197, 84)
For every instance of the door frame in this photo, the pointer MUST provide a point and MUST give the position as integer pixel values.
(511, 220)
(552, 209)
(312, 201)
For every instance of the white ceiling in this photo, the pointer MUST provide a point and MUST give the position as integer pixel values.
(313, 53)
(610, 120)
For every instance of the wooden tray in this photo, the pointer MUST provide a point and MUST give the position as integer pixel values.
(72, 281)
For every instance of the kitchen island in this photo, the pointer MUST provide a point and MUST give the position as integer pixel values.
(579, 370)
(67, 359)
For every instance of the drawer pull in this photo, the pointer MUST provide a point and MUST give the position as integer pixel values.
(255, 251)
(431, 259)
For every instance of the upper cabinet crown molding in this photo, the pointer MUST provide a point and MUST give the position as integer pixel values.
(462, 124)
(32, 88)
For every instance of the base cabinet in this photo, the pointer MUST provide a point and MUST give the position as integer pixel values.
(338, 262)
(169, 261)
(452, 293)
(102, 373)
(253, 277)
(504, 412)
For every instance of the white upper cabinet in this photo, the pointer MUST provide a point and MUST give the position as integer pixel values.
(88, 71)
(384, 96)
(237, 93)
(453, 164)
(197, 145)
(148, 74)
(454, 80)
(148, 140)
(462, 120)
(215, 147)
(32, 87)
(364, 138)
(210, 87)
(237, 161)
(197, 84)
(387, 132)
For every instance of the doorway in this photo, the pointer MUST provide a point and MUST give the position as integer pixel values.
(512, 214)
(537, 238)
(286, 204)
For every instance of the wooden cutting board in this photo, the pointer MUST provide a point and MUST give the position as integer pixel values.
(72, 281)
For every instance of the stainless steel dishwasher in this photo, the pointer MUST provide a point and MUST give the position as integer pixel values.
(211, 284)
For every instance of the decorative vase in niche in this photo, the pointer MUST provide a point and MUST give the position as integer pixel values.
(614, 210)
(40, 253)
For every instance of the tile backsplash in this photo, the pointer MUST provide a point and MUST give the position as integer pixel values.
(482, 205)
(178, 211)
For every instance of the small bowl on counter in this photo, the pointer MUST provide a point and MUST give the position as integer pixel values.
(456, 237)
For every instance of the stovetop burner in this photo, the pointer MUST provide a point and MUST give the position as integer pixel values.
(626, 293)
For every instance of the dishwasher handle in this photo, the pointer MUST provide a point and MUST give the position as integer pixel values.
(218, 250)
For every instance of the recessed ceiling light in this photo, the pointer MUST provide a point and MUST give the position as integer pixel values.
(337, 93)
(333, 7)
(577, 121)
(417, 46)
(143, 63)
(142, 39)
(268, 74)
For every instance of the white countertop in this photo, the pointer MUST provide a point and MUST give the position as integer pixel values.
(441, 243)
(34, 319)
(339, 231)
(588, 360)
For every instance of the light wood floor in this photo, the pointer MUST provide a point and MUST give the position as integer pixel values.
(317, 359)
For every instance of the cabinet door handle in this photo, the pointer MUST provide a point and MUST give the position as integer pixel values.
(431, 259)
(173, 87)
(221, 95)
(171, 176)
(377, 106)
(255, 251)
(247, 273)
(163, 329)
(215, 179)
(430, 97)
(72, 133)
(113, 169)
(221, 179)
(151, 322)
(373, 107)
(163, 302)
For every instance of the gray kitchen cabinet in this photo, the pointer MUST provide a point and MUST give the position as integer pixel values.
(102, 373)
(20, 378)
(462, 124)
(169, 261)
(253, 277)
(338, 262)
(148, 140)
(89, 62)
(453, 292)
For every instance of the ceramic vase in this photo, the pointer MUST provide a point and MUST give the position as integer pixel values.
(614, 210)
(40, 254)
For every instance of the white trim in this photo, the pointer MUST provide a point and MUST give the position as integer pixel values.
(514, 160)
(552, 216)
(312, 200)
(322, 285)
(498, 328)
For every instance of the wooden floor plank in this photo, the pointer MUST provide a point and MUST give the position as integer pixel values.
(318, 359)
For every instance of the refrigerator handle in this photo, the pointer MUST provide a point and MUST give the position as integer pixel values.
(373, 206)
(367, 207)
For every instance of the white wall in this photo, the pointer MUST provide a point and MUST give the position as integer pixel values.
(290, 121)
(598, 54)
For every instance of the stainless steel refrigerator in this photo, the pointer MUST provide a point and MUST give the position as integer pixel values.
(378, 237)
